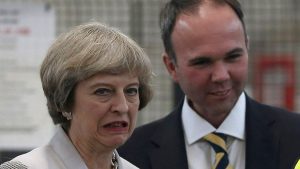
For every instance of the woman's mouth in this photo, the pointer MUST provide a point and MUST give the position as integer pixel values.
(116, 124)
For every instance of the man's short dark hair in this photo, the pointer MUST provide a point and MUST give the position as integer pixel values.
(174, 8)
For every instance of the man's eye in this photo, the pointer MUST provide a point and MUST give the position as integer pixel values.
(132, 91)
(233, 57)
(200, 62)
(103, 92)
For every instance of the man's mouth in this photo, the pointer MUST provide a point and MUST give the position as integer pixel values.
(220, 92)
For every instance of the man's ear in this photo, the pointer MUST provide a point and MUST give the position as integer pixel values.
(170, 65)
(248, 42)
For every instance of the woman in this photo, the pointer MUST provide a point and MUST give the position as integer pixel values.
(95, 80)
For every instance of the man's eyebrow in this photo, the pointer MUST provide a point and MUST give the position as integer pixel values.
(235, 50)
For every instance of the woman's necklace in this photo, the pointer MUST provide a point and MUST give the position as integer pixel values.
(114, 161)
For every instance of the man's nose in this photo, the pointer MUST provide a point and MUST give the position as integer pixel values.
(220, 73)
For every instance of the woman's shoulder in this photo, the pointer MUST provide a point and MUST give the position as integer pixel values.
(32, 160)
(13, 165)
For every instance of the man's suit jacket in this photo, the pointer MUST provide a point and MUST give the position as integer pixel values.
(272, 140)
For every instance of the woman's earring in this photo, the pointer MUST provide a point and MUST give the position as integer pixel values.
(67, 115)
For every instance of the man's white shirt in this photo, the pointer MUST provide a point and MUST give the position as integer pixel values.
(199, 153)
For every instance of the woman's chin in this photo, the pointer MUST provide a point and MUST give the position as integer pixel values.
(117, 141)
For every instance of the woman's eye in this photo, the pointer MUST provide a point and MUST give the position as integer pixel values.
(103, 92)
(132, 91)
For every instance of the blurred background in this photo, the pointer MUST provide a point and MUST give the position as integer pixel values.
(27, 28)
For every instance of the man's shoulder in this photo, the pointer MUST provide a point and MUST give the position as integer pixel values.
(288, 120)
(143, 135)
(161, 125)
(144, 132)
(147, 138)
(282, 116)
(280, 111)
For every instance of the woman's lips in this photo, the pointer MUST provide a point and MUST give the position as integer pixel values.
(116, 124)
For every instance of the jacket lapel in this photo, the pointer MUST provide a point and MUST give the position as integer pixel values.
(261, 140)
(170, 135)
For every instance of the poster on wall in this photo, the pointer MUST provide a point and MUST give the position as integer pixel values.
(275, 80)
(26, 32)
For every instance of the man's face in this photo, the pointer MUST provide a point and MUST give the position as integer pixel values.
(212, 58)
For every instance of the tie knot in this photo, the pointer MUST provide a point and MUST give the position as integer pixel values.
(217, 141)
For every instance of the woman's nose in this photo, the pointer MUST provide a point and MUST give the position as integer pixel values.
(120, 104)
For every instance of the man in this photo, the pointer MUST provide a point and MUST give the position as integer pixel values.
(206, 53)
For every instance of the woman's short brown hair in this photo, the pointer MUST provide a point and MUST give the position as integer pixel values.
(84, 51)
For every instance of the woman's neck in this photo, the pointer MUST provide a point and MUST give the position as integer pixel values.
(94, 156)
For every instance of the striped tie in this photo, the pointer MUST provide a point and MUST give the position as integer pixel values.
(217, 141)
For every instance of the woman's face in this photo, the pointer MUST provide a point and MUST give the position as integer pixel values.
(104, 111)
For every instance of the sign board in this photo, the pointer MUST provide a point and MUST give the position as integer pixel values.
(26, 32)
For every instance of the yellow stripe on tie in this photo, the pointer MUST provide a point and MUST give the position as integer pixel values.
(297, 165)
(219, 156)
(229, 166)
(216, 140)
